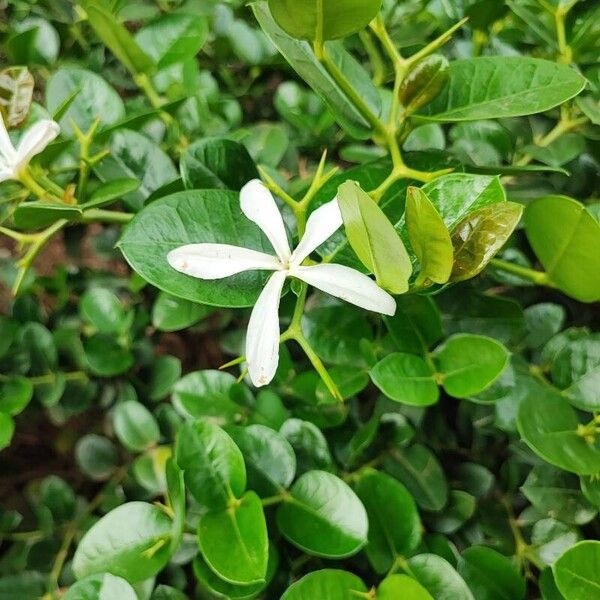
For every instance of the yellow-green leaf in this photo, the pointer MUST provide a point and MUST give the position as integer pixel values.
(429, 237)
(374, 238)
(480, 235)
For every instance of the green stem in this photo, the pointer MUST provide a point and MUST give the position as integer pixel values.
(95, 215)
(145, 84)
(27, 179)
(537, 277)
(375, 58)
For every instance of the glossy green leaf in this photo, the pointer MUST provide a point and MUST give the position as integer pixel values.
(419, 470)
(401, 586)
(459, 509)
(135, 426)
(394, 523)
(15, 394)
(566, 239)
(493, 87)
(438, 577)
(480, 235)
(102, 309)
(490, 575)
(213, 465)
(166, 370)
(301, 57)
(323, 517)
(577, 572)
(106, 357)
(96, 456)
(217, 163)
(548, 424)
(234, 541)
(133, 155)
(40, 213)
(7, 429)
(114, 35)
(468, 364)
(332, 584)
(111, 191)
(170, 313)
(269, 458)
(374, 238)
(173, 38)
(311, 19)
(94, 99)
(429, 238)
(406, 378)
(207, 394)
(99, 587)
(181, 219)
(309, 445)
(131, 541)
(424, 82)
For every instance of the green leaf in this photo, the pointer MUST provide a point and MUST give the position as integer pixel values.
(135, 426)
(111, 191)
(15, 394)
(234, 541)
(577, 572)
(115, 37)
(173, 38)
(423, 82)
(550, 539)
(166, 370)
(429, 238)
(332, 584)
(406, 378)
(490, 575)
(460, 508)
(566, 239)
(193, 217)
(401, 586)
(438, 577)
(269, 458)
(301, 57)
(41, 213)
(99, 587)
(207, 394)
(322, 516)
(102, 309)
(419, 470)
(493, 87)
(96, 456)
(133, 155)
(131, 541)
(170, 313)
(469, 364)
(309, 445)
(557, 494)
(374, 238)
(106, 357)
(394, 523)
(213, 465)
(217, 163)
(314, 19)
(7, 428)
(480, 235)
(548, 425)
(94, 99)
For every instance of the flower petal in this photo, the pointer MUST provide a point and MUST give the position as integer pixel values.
(258, 204)
(216, 261)
(7, 151)
(262, 338)
(321, 225)
(347, 284)
(35, 139)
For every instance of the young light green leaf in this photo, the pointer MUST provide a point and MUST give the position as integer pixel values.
(213, 465)
(327, 583)
(406, 378)
(234, 541)
(492, 87)
(401, 586)
(566, 239)
(468, 364)
(576, 572)
(132, 541)
(322, 20)
(429, 238)
(480, 235)
(374, 238)
(323, 517)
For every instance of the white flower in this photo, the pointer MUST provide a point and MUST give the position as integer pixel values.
(216, 261)
(35, 139)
